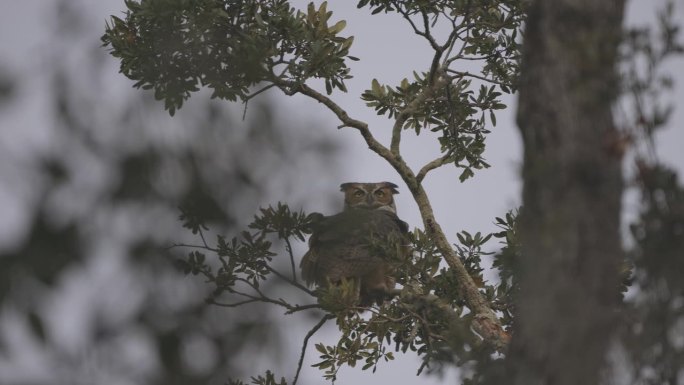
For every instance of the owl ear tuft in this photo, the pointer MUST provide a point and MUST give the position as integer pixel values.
(345, 186)
(393, 187)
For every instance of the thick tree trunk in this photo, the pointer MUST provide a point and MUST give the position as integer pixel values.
(570, 221)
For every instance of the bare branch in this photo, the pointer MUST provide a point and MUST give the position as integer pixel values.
(235, 304)
(288, 247)
(433, 165)
(297, 308)
(254, 94)
(173, 246)
(472, 75)
(204, 242)
(290, 281)
(247, 98)
(291, 88)
(261, 297)
(424, 33)
(428, 34)
(311, 332)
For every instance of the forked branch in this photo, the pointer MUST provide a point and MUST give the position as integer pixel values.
(485, 321)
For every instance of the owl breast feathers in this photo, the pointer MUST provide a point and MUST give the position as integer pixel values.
(365, 242)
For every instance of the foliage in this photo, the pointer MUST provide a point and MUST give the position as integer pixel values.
(428, 317)
(443, 311)
(174, 46)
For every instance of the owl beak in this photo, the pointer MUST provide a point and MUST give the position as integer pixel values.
(369, 200)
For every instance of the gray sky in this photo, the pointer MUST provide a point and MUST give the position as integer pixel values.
(389, 51)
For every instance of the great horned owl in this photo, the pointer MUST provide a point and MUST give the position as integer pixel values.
(365, 242)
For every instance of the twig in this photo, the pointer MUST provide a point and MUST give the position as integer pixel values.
(264, 89)
(288, 247)
(291, 282)
(453, 37)
(433, 165)
(472, 75)
(201, 234)
(425, 33)
(235, 304)
(428, 34)
(264, 298)
(191, 246)
(247, 98)
(306, 342)
(297, 308)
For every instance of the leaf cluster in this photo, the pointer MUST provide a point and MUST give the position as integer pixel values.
(506, 262)
(243, 262)
(451, 102)
(454, 111)
(429, 316)
(351, 348)
(175, 46)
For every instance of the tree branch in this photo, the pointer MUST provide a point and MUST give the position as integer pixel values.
(433, 165)
(485, 321)
(472, 75)
(290, 281)
(425, 33)
(261, 297)
(311, 332)
(410, 109)
(291, 88)
(288, 247)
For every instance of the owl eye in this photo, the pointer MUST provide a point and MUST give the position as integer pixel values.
(359, 193)
(380, 193)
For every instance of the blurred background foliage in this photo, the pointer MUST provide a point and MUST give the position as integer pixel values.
(88, 290)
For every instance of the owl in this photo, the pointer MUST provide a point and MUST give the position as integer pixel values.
(365, 242)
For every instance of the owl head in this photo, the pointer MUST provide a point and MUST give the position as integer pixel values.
(369, 196)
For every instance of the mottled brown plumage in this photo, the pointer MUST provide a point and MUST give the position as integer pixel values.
(365, 242)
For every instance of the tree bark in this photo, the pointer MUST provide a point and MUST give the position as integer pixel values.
(572, 187)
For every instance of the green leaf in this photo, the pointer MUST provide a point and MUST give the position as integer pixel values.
(321, 348)
(467, 173)
(347, 43)
(338, 27)
(376, 88)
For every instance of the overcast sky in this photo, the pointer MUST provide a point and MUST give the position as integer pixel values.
(389, 52)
